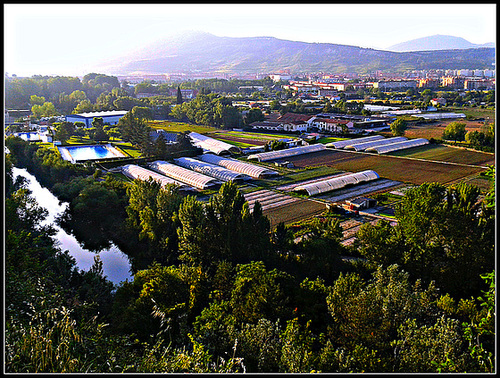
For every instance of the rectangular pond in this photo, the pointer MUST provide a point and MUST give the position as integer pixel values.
(77, 154)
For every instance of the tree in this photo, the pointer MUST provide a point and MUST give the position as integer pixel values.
(136, 131)
(455, 131)
(179, 96)
(151, 212)
(398, 127)
(142, 112)
(46, 110)
(254, 115)
(83, 106)
(37, 100)
(447, 235)
(64, 131)
(257, 294)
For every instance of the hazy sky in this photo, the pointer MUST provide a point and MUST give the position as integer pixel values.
(67, 39)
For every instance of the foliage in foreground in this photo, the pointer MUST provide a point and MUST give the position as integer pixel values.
(234, 296)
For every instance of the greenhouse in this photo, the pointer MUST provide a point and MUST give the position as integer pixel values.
(343, 143)
(376, 143)
(273, 155)
(136, 172)
(251, 170)
(211, 170)
(213, 145)
(336, 183)
(398, 146)
(184, 175)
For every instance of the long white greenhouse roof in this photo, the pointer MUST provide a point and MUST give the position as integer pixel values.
(375, 143)
(272, 155)
(343, 143)
(398, 146)
(136, 172)
(213, 145)
(109, 113)
(184, 175)
(338, 182)
(209, 169)
(251, 170)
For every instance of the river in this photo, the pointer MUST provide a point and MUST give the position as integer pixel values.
(116, 265)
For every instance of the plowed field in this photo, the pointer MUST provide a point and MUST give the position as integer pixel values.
(390, 167)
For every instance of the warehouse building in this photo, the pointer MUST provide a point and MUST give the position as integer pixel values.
(111, 117)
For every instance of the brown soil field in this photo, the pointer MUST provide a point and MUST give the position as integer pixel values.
(392, 168)
(435, 129)
(294, 211)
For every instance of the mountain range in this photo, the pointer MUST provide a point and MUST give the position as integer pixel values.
(437, 42)
(204, 52)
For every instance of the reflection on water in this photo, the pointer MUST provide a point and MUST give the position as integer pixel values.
(115, 263)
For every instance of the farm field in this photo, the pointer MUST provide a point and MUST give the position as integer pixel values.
(435, 129)
(179, 127)
(447, 154)
(392, 168)
(245, 139)
(294, 211)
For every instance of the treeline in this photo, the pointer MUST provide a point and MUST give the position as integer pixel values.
(482, 139)
(48, 96)
(216, 85)
(217, 290)
(209, 109)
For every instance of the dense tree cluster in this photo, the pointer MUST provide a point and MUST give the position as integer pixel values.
(216, 289)
(209, 109)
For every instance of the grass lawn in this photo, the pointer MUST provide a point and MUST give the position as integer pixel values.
(128, 149)
(330, 139)
(238, 144)
(474, 112)
(178, 127)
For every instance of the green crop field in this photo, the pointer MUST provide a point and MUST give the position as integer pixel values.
(178, 127)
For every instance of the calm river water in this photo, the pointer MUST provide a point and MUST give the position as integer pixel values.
(115, 263)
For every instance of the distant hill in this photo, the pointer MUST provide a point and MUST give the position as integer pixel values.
(196, 51)
(437, 42)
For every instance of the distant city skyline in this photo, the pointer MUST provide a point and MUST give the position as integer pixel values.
(71, 39)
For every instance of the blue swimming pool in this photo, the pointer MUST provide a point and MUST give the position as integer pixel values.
(83, 153)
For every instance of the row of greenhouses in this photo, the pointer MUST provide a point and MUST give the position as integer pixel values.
(280, 154)
(378, 144)
(136, 172)
(208, 171)
(398, 146)
(337, 182)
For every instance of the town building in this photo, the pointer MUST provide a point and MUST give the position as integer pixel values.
(331, 125)
(361, 203)
(394, 85)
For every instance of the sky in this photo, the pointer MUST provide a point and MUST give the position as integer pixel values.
(70, 39)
